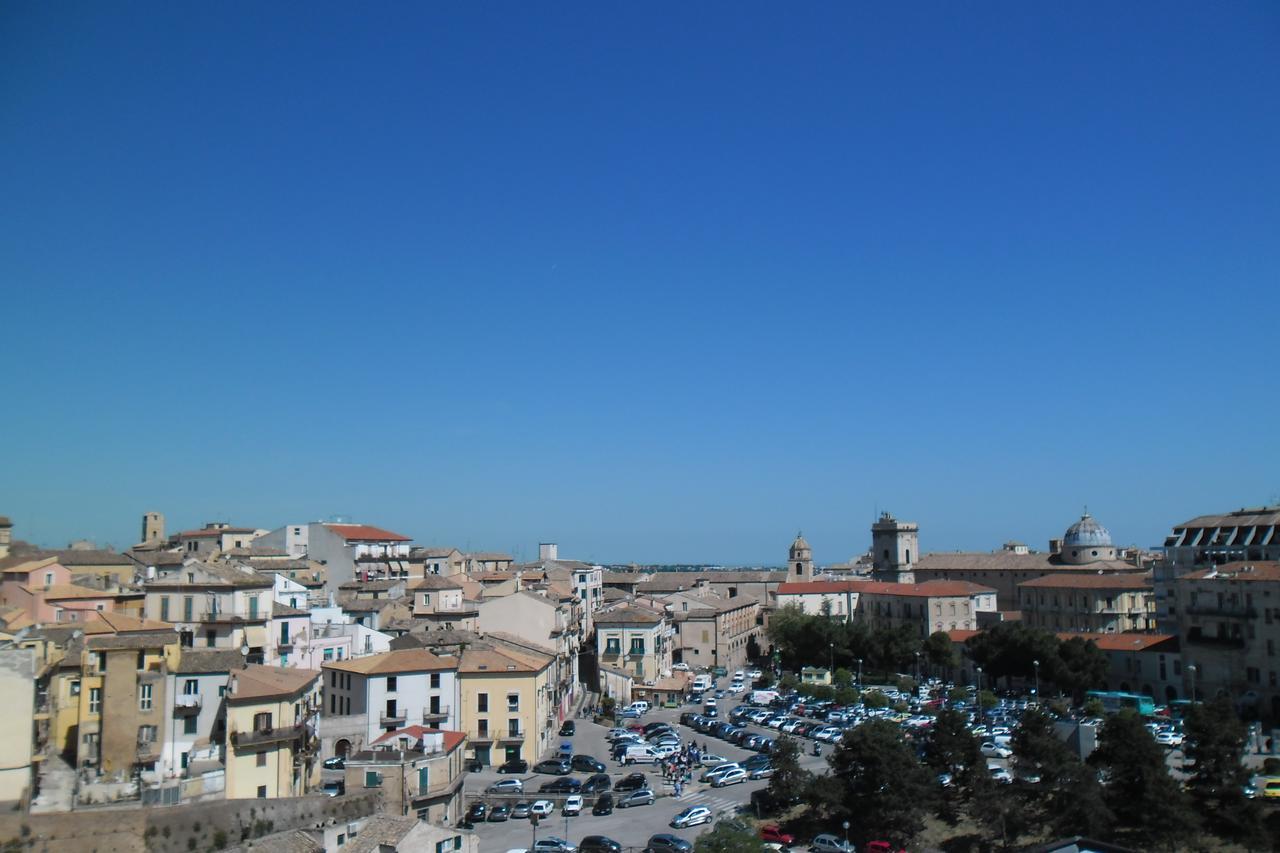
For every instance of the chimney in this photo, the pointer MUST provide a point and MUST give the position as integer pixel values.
(548, 551)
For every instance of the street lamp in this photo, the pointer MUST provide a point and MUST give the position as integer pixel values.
(917, 669)
(1036, 664)
(845, 825)
(831, 658)
(859, 673)
(1191, 671)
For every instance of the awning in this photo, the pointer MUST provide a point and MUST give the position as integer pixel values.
(255, 637)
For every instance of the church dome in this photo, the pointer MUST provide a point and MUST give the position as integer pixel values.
(800, 544)
(1086, 533)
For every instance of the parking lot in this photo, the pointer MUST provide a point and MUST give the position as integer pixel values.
(630, 827)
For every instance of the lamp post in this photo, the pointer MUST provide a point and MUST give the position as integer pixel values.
(831, 659)
(859, 673)
(1191, 671)
(917, 670)
(845, 826)
(1036, 664)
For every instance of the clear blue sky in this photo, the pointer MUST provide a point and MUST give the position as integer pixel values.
(658, 282)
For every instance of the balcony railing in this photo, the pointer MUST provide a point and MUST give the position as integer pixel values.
(430, 716)
(511, 737)
(396, 719)
(187, 703)
(277, 734)
(1226, 611)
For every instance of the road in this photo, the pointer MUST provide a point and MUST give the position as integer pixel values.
(629, 827)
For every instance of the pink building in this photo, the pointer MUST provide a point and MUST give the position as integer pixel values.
(25, 585)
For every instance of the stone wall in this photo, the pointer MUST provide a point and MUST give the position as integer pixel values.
(177, 829)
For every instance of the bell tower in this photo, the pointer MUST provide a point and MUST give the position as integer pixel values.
(800, 561)
(895, 545)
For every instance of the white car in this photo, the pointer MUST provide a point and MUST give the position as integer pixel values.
(692, 816)
(994, 750)
(729, 777)
(572, 805)
(1169, 739)
(711, 759)
(1001, 775)
(666, 750)
(755, 674)
(791, 725)
(679, 667)
(542, 808)
(718, 771)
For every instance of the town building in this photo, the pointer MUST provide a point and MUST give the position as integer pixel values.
(1147, 663)
(214, 537)
(339, 546)
(445, 562)
(420, 771)
(926, 607)
(214, 605)
(507, 712)
(553, 623)
(271, 733)
(195, 720)
(17, 735)
(1106, 603)
(635, 640)
(895, 547)
(713, 631)
(1245, 535)
(439, 603)
(367, 697)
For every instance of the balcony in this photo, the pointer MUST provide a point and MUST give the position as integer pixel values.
(430, 716)
(187, 703)
(261, 737)
(397, 719)
(511, 737)
(148, 751)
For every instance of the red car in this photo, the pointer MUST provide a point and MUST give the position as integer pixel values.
(772, 832)
(882, 847)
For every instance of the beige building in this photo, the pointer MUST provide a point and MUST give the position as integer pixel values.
(17, 685)
(712, 631)
(1150, 664)
(551, 619)
(419, 770)
(1102, 604)
(1229, 626)
(271, 732)
(440, 603)
(213, 605)
(927, 607)
(507, 711)
(635, 640)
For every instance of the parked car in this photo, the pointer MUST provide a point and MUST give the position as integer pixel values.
(666, 843)
(335, 763)
(506, 786)
(551, 844)
(554, 766)
(762, 772)
(499, 813)
(773, 834)
(568, 729)
(587, 764)
(542, 808)
(520, 810)
(572, 805)
(599, 844)
(993, 750)
(597, 783)
(603, 805)
(632, 782)
(563, 785)
(692, 816)
(515, 765)
(730, 777)
(477, 812)
(828, 843)
(642, 797)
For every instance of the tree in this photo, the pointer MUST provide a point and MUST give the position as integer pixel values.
(1215, 740)
(952, 748)
(729, 838)
(1080, 666)
(941, 652)
(1070, 798)
(1139, 790)
(1010, 649)
(842, 677)
(789, 782)
(1001, 812)
(1038, 750)
(877, 784)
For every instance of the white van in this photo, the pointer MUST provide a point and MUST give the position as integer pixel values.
(639, 707)
(701, 682)
(639, 753)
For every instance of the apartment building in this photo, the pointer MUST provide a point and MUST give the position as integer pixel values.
(420, 771)
(195, 718)
(439, 603)
(444, 562)
(1229, 627)
(17, 735)
(366, 697)
(340, 546)
(214, 605)
(1249, 535)
(634, 640)
(1145, 663)
(1104, 604)
(925, 607)
(551, 618)
(712, 631)
(271, 733)
(214, 537)
(507, 711)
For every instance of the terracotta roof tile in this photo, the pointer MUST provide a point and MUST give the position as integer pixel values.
(366, 533)
(401, 660)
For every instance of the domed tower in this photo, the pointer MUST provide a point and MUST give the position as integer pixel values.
(1086, 542)
(800, 561)
(895, 546)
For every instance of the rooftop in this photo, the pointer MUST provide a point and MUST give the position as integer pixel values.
(1264, 516)
(627, 615)
(268, 682)
(388, 663)
(195, 661)
(1089, 581)
(1248, 570)
(365, 533)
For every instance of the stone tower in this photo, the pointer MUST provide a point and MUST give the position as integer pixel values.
(799, 561)
(895, 546)
(152, 528)
(6, 536)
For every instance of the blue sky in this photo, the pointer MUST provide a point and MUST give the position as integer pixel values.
(657, 282)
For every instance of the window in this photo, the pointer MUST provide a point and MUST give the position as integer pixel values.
(142, 660)
(513, 701)
(262, 792)
(253, 607)
(372, 779)
(146, 734)
(262, 722)
(424, 773)
(189, 724)
(144, 697)
(391, 684)
(164, 608)
(637, 645)
(482, 702)
(612, 646)
(75, 687)
(328, 655)
(284, 633)
(513, 727)
(482, 728)
(435, 681)
(210, 638)
(261, 758)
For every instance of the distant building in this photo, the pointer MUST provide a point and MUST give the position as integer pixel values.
(271, 741)
(340, 546)
(420, 771)
(800, 560)
(925, 607)
(1245, 535)
(216, 536)
(1115, 603)
(152, 530)
(895, 546)
(17, 735)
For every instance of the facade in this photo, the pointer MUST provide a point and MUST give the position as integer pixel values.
(214, 537)
(800, 561)
(895, 547)
(927, 607)
(439, 603)
(445, 562)
(1150, 664)
(1229, 628)
(1251, 535)
(507, 712)
(195, 720)
(214, 605)
(25, 585)
(551, 623)
(713, 631)
(837, 599)
(419, 770)
(1104, 604)
(17, 736)
(635, 640)
(271, 733)
(487, 561)
(366, 697)
(338, 546)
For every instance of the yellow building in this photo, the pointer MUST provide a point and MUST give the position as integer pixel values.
(271, 739)
(419, 770)
(507, 710)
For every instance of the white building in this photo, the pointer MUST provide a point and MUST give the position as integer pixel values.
(338, 546)
(374, 695)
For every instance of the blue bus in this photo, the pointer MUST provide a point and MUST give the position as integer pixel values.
(1113, 701)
